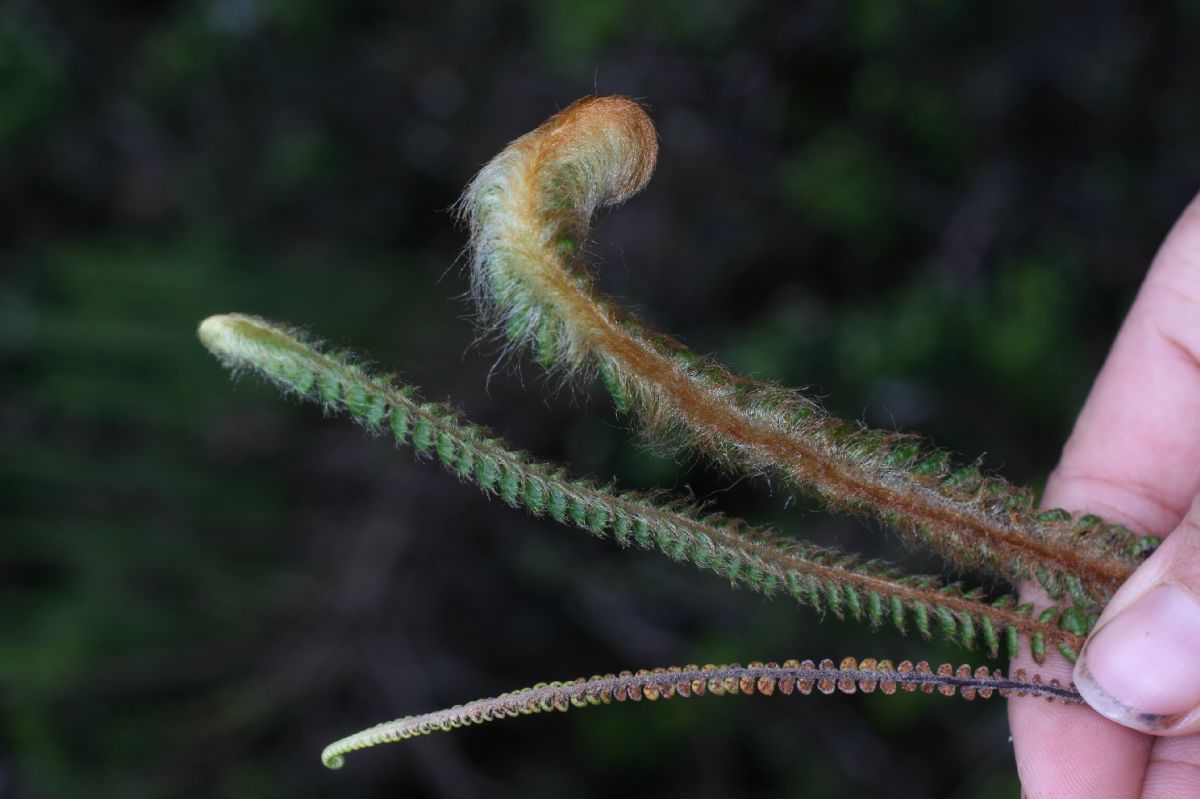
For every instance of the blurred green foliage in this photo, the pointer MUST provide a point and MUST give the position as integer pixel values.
(934, 212)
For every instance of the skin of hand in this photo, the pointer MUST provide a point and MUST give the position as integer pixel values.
(1134, 457)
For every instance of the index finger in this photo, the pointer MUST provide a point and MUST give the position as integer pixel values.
(1131, 458)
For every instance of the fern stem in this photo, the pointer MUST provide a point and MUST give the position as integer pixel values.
(823, 578)
(850, 676)
(529, 209)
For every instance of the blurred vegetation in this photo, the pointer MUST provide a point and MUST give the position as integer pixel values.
(935, 212)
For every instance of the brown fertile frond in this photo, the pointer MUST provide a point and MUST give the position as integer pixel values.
(848, 677)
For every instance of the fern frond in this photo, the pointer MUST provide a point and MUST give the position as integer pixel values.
(848, 677)
(825, 579)
(529, 210)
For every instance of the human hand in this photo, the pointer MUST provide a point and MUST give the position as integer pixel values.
(1134, 457)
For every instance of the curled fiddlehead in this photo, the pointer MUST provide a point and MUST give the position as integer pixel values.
(529, 210)
(848, 677)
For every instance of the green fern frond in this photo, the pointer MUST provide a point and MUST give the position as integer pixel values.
(850, 676)
(826, 579)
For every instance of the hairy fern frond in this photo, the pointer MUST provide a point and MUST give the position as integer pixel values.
(826, 579)
(848, 677)
(529, 210)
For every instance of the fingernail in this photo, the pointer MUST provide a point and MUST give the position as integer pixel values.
(1142, 668)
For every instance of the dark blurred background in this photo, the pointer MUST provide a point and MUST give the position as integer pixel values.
(934, 213)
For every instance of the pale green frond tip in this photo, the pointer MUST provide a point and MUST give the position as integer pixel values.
(217, 334)
(248, 339)
(247, 342)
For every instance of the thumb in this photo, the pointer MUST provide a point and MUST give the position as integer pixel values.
(1141, 665)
